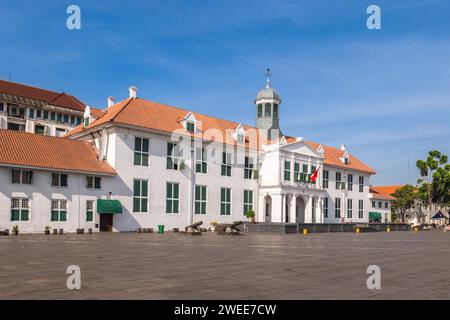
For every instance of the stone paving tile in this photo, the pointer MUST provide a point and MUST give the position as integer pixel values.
(414, 265)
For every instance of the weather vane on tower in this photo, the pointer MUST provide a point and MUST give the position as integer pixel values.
(268, 75)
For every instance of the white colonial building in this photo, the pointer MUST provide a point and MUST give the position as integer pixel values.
(169, 166)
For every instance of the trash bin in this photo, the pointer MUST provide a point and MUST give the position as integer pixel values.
(160, 228)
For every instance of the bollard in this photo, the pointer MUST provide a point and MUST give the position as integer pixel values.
(305, 231)
(416, 229)
(357, 230)
(388, 229)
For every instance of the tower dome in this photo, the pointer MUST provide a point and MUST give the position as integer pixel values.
(267, 110)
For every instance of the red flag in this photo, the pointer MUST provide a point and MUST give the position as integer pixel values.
(314, 176)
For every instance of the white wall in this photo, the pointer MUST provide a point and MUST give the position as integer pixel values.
(40, 193)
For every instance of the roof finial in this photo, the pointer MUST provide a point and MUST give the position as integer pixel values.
(268, 75)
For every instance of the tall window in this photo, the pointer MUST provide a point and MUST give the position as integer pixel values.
(173, 156)
(325, 207)
(59, 210)
(141, 147)
(93, 182)
(240, 138)
(22, 176)
(386, 205)
(337, 208)
(172, 197)
(326, 175)
(225, 201)
(361, 184)
(275, 111)
(225, 168)
(20, 209)
(267, 112)
(89, 210)
(304, 174)
(338, 181)
(59, 180)
(296, 171)
(374, 204)
(350, 182)
(287, 170)
(361, 209)
(31, 113)
(248, 168)
(201, 166)
(349, 208)
(248, 201)
(140, 196)
(260, 110)
(200, 199)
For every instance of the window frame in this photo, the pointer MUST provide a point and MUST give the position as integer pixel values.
(225, 167)
(361, 209)
(349, 208)
(22, 176)
(201, 164)
(172, 199)
(141, 157)
(90, 212)
(249, 167)
(287, 170)
(361, 183)
(60, 210)
(248, 205)
(140, 197)
(201, 200)
(173, 157)
(326, 179)
(337, 208)
(23, 212)
(225, 201)
(325, 207)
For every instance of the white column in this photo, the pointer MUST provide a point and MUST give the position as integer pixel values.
(308, 210)
(293, 211)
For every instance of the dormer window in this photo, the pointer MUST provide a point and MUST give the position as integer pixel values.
(346, 161)
(190, 126)
(240, 138)
(239, 134)
(189, 123)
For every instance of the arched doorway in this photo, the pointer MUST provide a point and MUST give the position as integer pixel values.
(268, 208)
(300, 210)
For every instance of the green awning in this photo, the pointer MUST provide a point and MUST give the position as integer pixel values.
(375, 216)
(109, 207)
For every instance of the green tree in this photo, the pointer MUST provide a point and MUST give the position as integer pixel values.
(434, 184)
(405, 198)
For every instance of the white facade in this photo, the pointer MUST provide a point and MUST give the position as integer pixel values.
(382, 206)
(39, 196)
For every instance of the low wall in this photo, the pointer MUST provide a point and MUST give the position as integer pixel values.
(285, 228)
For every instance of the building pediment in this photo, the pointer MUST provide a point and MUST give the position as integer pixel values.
(300, 147)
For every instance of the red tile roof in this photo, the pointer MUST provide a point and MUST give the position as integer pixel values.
(152, 115)
(332, 155)
(385, 191)
(23, 149)
(63, 100)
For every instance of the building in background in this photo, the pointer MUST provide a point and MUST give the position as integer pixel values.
(40, 111)
(381, 203)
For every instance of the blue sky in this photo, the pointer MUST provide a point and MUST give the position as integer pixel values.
(385, 94)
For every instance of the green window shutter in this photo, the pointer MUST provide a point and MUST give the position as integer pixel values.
(145, 159)
(54, 216)
(176, 208)
(176, 192)
(144, 188)
(15, 215)
(168, 206)
(222, 208)
(137, 188)
(137, 144)
(24, 215)
(63, 216)
(168, 190)
(89, 216)
(136, 205)
(144, 205)
(137, 159)
(145, 145)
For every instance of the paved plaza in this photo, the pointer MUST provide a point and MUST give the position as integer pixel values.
(414, 265)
